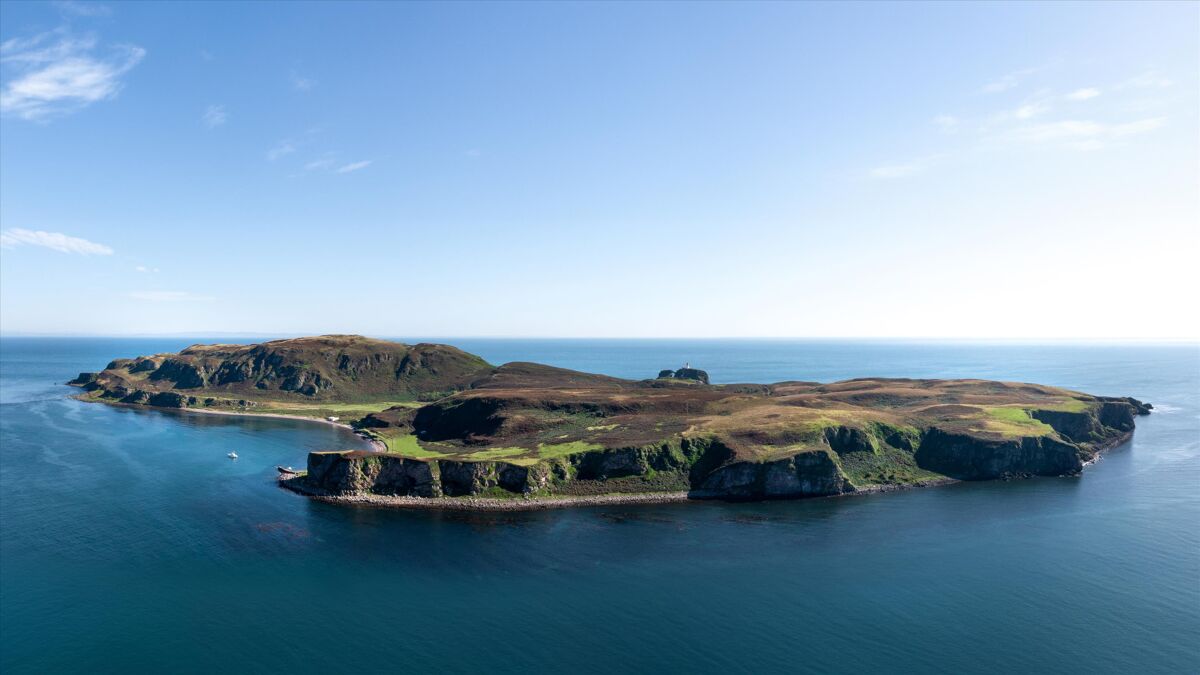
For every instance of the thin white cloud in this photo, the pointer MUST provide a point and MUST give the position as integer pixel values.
(1138, 127)
(1083, 94)
(1008, 81)
(354, 166)
(55, 241)
(302, 83)
(55, 73)
(323, 163)
(70, 8)
(1030, 110)
(947, 123)
(1148, 80)
(281, 149)
(473, 153)
(170, 296)
(1083, 134)
(146, 270)
(214, 116)
(1034, 121)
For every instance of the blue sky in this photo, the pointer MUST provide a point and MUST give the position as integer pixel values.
(915, 170)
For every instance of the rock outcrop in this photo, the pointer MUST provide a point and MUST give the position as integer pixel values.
(694, 374)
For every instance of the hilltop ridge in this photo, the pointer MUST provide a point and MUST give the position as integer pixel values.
(333, 368)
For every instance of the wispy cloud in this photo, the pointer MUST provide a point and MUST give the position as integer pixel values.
(1042, 117)
(1082, 94)
(1030, 110)
(1008, 81)
(70, 8)
(170, 296)
(302, 83)
(1151, 79)
(947, 123)
(146, 270)
(354, 166)
(281, 149)
(316, 164)
(1083, 134)
(55, 241)
(55, 73)
(214, 116)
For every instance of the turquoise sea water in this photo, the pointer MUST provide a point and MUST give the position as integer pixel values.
(130, 543)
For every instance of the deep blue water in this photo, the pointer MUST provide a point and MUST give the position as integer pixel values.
(128, 542)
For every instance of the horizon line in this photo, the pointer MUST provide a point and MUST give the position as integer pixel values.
(798, 338)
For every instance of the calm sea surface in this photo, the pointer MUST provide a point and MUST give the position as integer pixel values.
(129, 542)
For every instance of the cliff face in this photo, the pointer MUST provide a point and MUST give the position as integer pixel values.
(808, 474)
(712, 468)
(971, 458)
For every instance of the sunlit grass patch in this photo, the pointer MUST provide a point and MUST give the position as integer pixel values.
(1011, 421)
(497, 453)
(552, 450)
(408, 446)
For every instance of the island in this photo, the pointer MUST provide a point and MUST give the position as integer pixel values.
(454, 431)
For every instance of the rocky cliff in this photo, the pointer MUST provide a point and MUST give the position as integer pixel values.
(707, 467)
(339, 368)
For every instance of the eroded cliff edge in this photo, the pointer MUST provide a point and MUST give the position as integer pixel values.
(456, 427)
(851, 460)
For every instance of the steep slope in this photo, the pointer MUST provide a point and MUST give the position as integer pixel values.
(342, 368)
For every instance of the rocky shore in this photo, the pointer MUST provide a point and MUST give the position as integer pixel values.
(296, 484)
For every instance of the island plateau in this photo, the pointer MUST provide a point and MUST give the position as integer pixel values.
(454, 430)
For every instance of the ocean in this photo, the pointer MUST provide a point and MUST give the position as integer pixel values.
(130, 543)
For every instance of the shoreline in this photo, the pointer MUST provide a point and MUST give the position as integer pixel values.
(294, 482)
(376, 444)
(1105, 446)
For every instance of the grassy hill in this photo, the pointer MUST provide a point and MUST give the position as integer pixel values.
(307, 376)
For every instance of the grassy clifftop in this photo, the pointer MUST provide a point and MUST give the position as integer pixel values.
(873, 430)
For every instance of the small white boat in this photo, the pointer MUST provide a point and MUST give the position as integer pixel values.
(232, 455)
